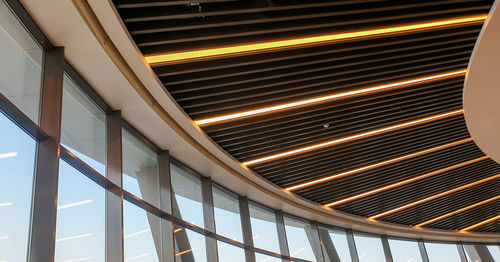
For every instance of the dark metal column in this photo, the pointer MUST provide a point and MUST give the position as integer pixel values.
(352, 246)
(168, 244)
(387, 248)
(246, 227)
(478, 253)
(280, 226)
(208, 215)
(423, 252)
(41, 246)
(114, 196)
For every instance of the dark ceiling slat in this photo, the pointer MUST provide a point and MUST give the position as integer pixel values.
(314, 52)
(228, 84)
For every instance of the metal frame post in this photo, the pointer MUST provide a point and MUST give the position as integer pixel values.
(41, 245)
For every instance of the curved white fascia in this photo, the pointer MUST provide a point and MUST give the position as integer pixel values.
(89, 54)
(481, 96)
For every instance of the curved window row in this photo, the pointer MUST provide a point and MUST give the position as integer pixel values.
(117, 197)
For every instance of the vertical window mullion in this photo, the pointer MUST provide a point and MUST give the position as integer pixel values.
(246, 229)
(352, 246)
(208, 214)
(280, 226)
(387, 248)
(44, 207)
(168, 245)
(114, 200)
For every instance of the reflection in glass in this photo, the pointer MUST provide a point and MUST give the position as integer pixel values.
(441, 252)
(189, 245)
(265, 234)
(227, 214)
(230, 253)
(80, 217)
(20, 65)
(140, 169)
(141, 234)
(297, 234)
(83, 129)
(404, 251)
(263, 258)
(481, 253)
(334, 244)
(369, 248)
(187, 201)
(17, 161)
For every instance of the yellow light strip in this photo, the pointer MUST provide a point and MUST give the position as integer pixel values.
(184, 252)
(480, 224)
(404, 182)
(457, 211)
(383, 163)
(353, 137)
(177, 230)
(433, 197)
(327, 98)
(231, 50)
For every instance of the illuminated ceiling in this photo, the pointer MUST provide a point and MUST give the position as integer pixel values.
(355, 105)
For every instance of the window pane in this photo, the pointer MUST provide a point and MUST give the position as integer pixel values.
(83, 129)
(265, 234)
(187, 203)
(369, 248)
(141, 230)
(335, 240)
(230, 253)
(298, 243)
(404, 251)
(263, 258)
(17, 161)
(440, 252)
(140, 169)
(495, 252)
(227, 215)
(189, 246)
(80, 217)
(20, 66)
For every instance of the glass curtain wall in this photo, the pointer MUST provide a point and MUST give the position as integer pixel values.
(167, 215)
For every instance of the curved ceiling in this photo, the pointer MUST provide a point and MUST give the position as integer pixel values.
(355, 105)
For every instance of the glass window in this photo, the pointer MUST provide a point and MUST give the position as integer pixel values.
(334, 244)
(264, 258)
(17, 161)
(141, 234)
(441, 252)
(20, 66)
(187, 202)
(140, 169)
(80, 234)
(227, 214)
(297, 234)
(495, 252)
(403, 251)
(369, 248)
(481, 253)
(83, 127)
(189, 245)
(230, 253)
(265, 234)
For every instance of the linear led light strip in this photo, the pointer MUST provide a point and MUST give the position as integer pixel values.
(74, 237)
(404, 182)
(487, 221)
(457, 211)
(327, 98)
(84, 202)
(231, 50)
(185, 252)
(354, 137)
(379, 164)
(394, 210)
(8, 155)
